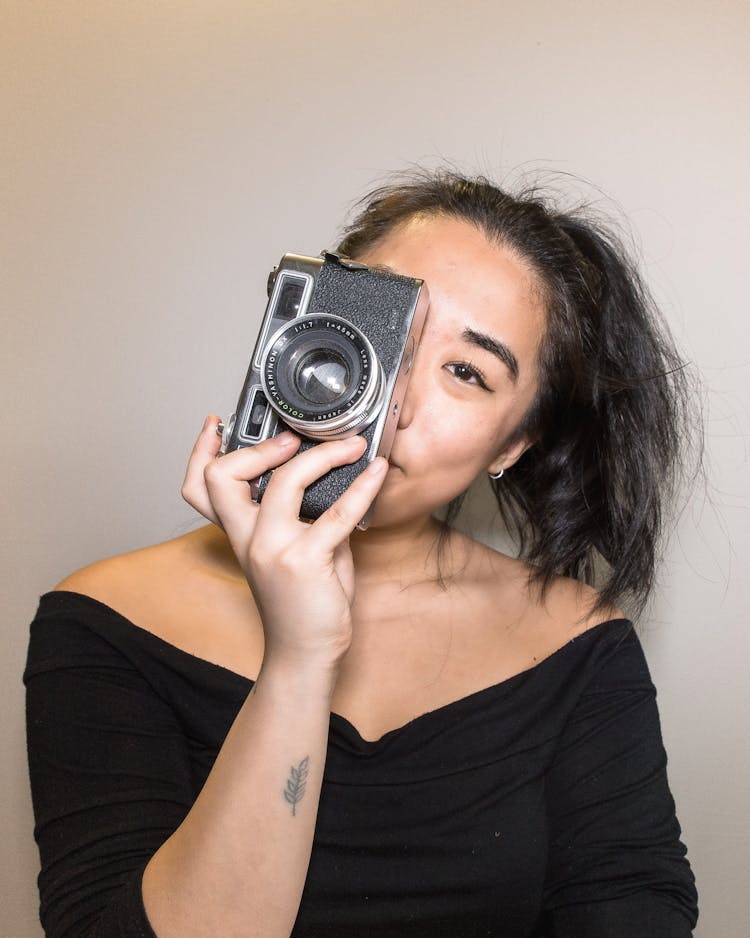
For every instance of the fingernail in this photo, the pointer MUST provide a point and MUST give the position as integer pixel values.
(377, 466)
(286, 438)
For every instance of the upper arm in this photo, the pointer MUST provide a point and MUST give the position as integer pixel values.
(616, 865)
(110, 780)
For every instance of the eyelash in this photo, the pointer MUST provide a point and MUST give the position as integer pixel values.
(473, 372)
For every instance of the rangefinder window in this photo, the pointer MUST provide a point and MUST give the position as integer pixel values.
(289, 299)
(257, 414)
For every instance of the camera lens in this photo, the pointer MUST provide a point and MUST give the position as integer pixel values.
(321, 374)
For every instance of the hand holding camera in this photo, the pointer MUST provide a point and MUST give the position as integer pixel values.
(301, 574)
(331, 363)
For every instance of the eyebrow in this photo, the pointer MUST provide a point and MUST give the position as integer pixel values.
(480, 339)
(500, 349)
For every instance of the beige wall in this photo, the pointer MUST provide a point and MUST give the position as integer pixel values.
(158, 157)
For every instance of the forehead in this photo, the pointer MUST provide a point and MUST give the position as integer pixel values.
(473, 282)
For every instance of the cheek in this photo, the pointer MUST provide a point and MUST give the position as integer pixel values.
(478, 441)
(455, 458)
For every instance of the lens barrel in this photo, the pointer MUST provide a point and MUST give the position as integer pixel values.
(322, 376)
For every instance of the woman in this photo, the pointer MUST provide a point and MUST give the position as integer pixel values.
(401, 731)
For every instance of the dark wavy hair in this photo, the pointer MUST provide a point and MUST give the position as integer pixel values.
(613, 409)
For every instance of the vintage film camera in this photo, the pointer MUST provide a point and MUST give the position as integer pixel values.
(332, 360)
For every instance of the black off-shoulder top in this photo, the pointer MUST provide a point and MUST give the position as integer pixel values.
(535, 808)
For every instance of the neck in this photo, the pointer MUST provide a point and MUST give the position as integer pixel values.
(405, 553)
(402, 554)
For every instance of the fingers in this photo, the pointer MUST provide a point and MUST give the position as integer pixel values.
(338, 521)
(289, 482)
(212, 486)
(218, 488)
(206, 449)
(283, 497)
(226, 482)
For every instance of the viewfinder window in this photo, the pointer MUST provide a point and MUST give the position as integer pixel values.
(290, 298)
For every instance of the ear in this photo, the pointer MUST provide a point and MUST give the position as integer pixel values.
(510, 455)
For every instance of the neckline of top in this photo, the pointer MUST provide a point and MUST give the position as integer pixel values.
(346, 725)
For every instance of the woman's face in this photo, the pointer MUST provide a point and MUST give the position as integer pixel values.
(475, 373)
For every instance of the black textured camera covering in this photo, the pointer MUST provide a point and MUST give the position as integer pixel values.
(381, 306)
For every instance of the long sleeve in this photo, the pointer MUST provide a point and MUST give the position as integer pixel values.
(617, 868)
(539, 805)
(110, 781)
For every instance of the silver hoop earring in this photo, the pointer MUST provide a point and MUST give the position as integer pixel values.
(496, 475)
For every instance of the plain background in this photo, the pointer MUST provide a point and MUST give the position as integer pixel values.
(159, 157)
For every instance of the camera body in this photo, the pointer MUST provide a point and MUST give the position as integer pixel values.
(332, 360)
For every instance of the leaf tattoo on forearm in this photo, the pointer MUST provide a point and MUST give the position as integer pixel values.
(295, 784)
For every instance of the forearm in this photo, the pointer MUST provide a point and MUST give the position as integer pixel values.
(237, 864)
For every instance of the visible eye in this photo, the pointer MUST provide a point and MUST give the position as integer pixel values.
(468, 374)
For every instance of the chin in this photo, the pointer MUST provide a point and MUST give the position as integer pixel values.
(398, 504)
(390, 510)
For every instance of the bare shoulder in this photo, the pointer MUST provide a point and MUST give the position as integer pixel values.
(540, 621)
(574, 606)
(188, 591)
(124, 577)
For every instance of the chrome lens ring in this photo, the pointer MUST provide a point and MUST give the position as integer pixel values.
(322, 376)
